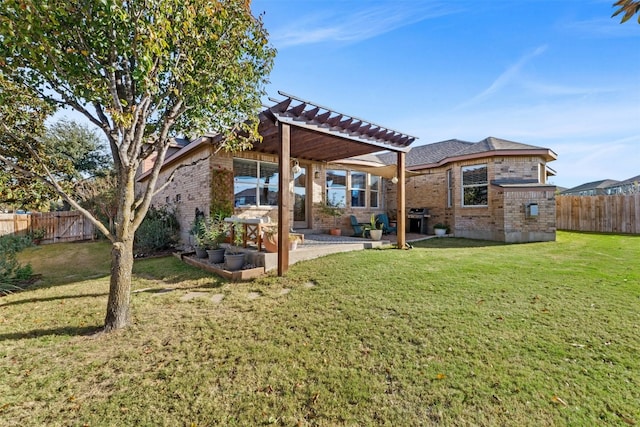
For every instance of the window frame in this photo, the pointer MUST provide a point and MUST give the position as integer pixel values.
(371, 191)
(342, 202)
(449, 188)
(366, 192)
(257, 181)
(484, 184)
(363, 191)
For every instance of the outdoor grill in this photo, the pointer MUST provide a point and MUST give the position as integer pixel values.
(417, 220)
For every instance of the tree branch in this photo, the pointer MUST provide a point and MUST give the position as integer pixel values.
(56, 187)
(161, 146)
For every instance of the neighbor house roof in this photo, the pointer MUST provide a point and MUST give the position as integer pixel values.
(594, 185)
(629, 181)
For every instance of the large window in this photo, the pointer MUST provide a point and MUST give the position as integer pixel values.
(449, 188)
(358, 189)
(336, 187)
(475, 187)
(374, 191)
(255, 183)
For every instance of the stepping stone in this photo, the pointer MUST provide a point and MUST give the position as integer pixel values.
(193, 295)
(285, 291)
(217, 298)
(310, 285)
(253, 295)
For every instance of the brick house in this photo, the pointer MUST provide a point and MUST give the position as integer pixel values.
(199, 177)
(493, 189)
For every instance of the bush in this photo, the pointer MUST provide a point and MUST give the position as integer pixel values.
(12, 273)
(158, 231)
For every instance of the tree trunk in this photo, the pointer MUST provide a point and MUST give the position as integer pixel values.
(118, 309)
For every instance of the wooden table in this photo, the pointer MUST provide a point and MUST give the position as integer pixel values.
(253, 231)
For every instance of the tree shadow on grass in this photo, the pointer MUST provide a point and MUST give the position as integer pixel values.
(30, 300)
(47, 283)
(70, 331)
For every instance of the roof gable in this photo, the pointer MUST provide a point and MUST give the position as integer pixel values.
(429, 153)
(451, 150)
(496, 144)
(631, 180)
(439, 153)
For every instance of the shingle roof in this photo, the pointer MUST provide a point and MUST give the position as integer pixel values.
(603, 183)
(433, 153)
(181, 142)
(629, 181)
(493, 144)
(430, 153)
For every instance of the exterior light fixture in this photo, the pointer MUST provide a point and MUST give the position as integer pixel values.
(296, 167)
(394, 180)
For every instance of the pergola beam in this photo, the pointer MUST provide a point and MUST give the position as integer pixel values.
(401, 202)
(284, 197)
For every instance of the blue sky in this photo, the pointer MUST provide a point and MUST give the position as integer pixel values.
(556, 74)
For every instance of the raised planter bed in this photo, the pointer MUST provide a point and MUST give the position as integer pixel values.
(234, 276)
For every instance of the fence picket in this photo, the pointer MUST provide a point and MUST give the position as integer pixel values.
(59, 226)
(603, 214)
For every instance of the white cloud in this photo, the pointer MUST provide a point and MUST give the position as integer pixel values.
(603, 28)
(505, 78)
(360, 25)
(547, 89)
(594, 140)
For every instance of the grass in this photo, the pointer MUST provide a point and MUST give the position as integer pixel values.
(452, 332)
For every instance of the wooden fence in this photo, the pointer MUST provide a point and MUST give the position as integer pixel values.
(58, 226)
(604, 214)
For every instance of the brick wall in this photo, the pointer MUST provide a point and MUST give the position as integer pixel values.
(190, 187)
(503, 220)
(519, 227)
(517, 167)
(504, 217)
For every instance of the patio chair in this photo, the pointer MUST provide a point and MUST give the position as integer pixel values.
(386, 228)
(359, 229)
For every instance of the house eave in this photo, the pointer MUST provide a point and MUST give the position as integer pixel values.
(194, 145)
(547, 154)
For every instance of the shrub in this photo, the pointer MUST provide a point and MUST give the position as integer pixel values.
(12, 273)
(158, 231)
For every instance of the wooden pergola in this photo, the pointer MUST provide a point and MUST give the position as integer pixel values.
(305, 130)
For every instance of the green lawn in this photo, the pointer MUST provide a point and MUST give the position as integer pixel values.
(452, 332)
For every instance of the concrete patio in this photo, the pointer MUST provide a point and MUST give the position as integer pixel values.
(318, 245)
